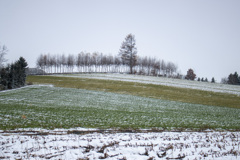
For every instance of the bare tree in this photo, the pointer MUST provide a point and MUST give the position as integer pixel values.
(224, 80)
(98, 62)
(51, 62)
(63, 62)
(58, 63)
(70, 62)
(87, 61)
(117, 63)
(156, 68)
(80, 61)
(54, 62)
(109, 62)
(94, 61)
(104, 63)
(171, 68)
(42, 62)
(3, 52)
(163, 67)
(39, 62)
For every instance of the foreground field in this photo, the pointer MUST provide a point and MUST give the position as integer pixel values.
(54, 107)
(139, 146)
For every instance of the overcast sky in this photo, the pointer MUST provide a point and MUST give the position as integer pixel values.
(200, 34)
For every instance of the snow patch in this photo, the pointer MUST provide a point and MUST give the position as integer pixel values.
(206, 86)
(164, 145)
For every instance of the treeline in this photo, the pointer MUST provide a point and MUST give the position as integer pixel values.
(98, 62)
(233, 79)
(13, 76)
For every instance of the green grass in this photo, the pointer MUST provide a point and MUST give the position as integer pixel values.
(143, 90)
(54, 107)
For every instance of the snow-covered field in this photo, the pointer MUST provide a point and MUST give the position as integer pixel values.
(164, 145)
(214, 87)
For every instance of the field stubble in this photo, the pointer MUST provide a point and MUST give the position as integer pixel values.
(141, 146)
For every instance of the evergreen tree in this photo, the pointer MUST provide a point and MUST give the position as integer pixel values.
(233, 79)
(213, 80)
(21, 65)
(206, 80)
(198, 79)
(14, 75)
(4, 78)
(128, 52)
(230, 79)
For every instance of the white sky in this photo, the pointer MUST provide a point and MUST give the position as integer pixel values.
(199, 34)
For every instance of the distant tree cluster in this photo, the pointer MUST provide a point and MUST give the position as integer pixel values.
(192, 76)
(206, 80)
(126, 61)
(213, 80)
(13, 76)
(99, 62)
(233, 79)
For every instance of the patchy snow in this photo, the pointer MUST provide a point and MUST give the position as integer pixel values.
(163, 145)
(206, 86)
(85, 143)
(27, 86)
(40, 106)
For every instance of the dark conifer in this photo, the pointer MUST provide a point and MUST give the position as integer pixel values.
(14, 75)
(213, 80)
(233, 79)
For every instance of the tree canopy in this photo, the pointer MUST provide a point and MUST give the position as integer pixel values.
(233, 79)
(14, 75)
(190, 75)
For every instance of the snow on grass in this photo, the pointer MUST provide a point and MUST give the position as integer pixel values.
(53, 107)
(206, 86)
(48, 107)
(164, 145)
(144, 90)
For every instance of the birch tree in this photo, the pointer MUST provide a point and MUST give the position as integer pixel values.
(3, 52)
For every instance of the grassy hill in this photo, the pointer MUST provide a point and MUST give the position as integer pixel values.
(87, 102)
(149, 90)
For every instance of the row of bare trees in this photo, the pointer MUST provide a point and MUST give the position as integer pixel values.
(98, 62)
